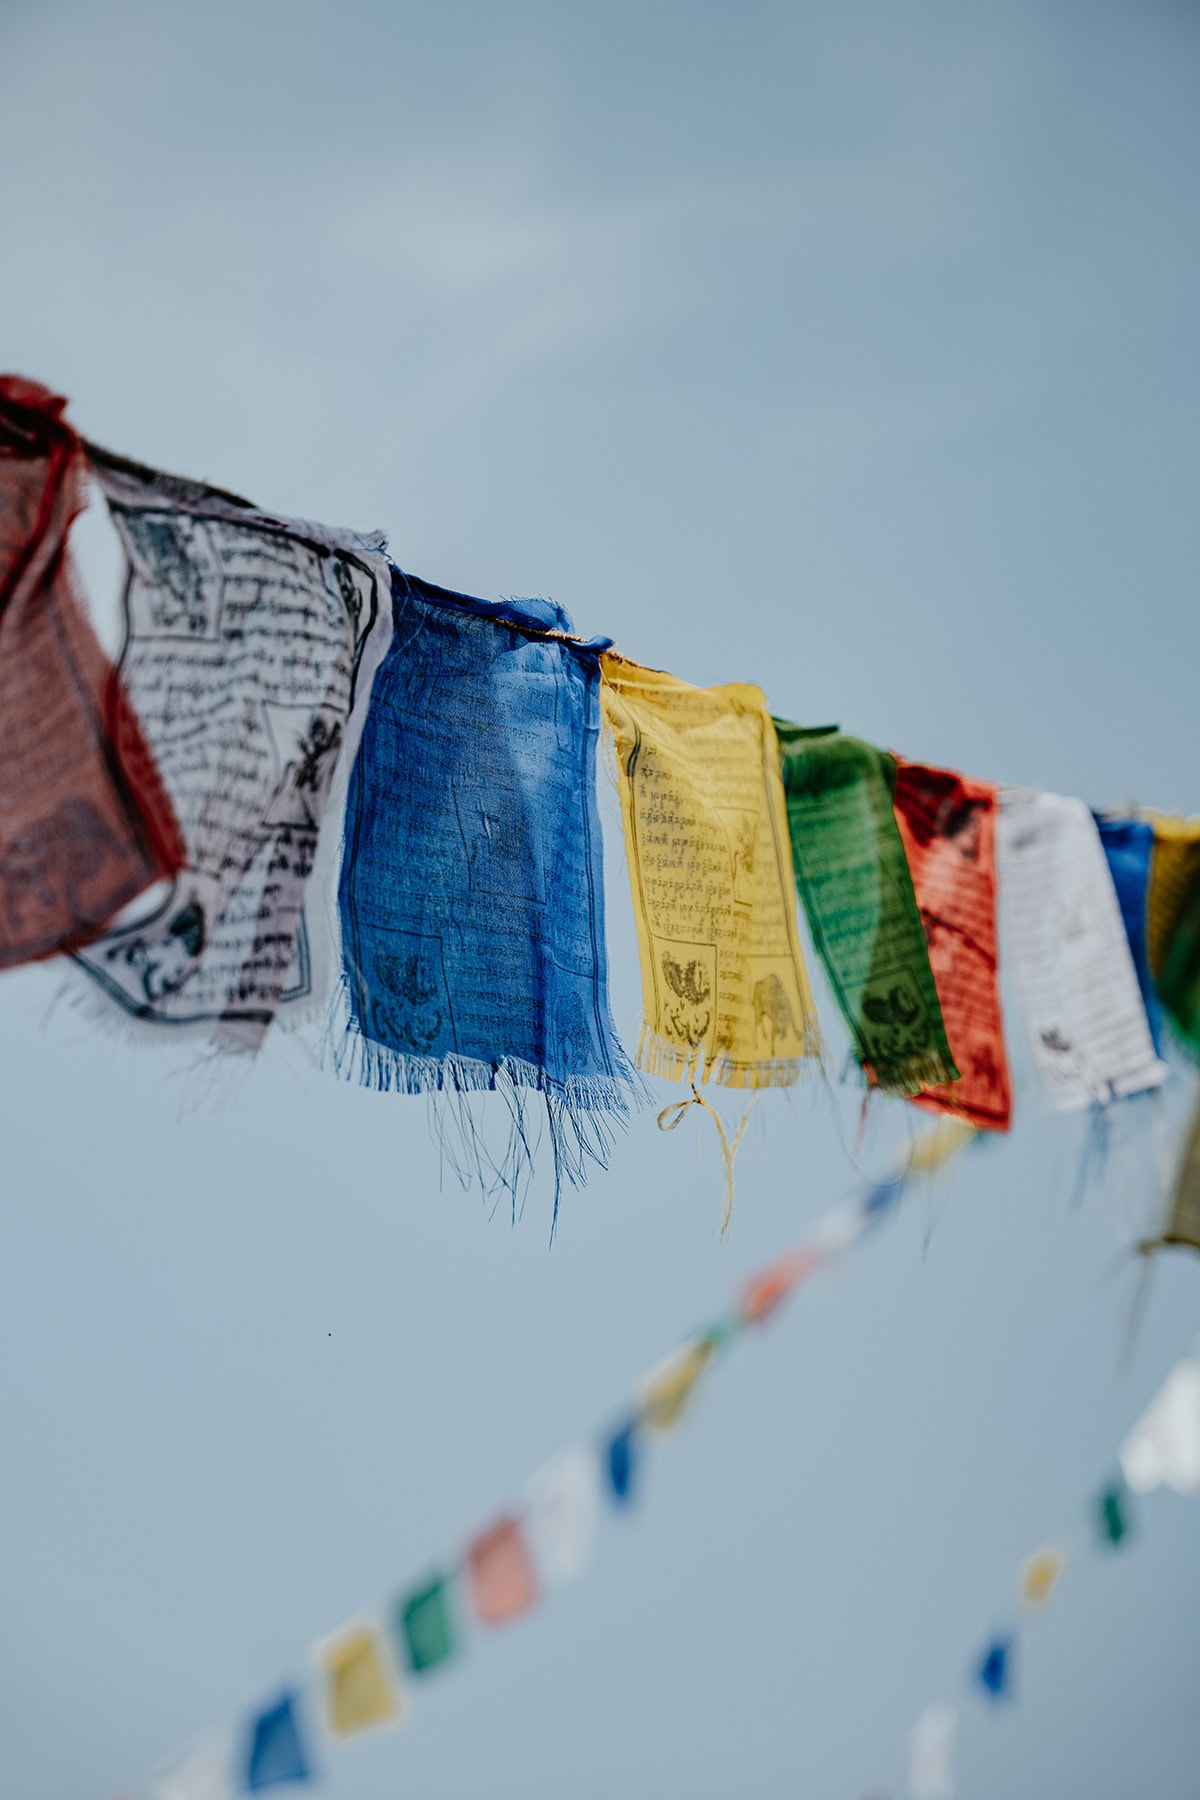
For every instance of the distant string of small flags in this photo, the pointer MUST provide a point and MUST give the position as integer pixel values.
(365, 1672)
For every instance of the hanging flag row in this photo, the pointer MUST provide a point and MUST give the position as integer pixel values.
(365, 1675)
(1162, 1450)
(313, 781)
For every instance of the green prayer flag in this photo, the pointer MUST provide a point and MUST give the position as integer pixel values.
(426, 1625)
(1179, 978)
(853, 879)
(1110, 1514)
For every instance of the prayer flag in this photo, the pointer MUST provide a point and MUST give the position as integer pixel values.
(948, 825)
(502, 1579)
(1164, 1446)
(202, 1771)
(621, 1461)
(471, 893)
(853, 878)
(724, 990)
(1112, 1515)
(1039, 1577)
(931, 1754)
(995, 1672)
(361, 1684)
(425, 1625)
(1173, 923)
(1174, 869)
(560, 1515)
(766, 1292)
(277, 1754)
(1129, 847)
(1179, 982)
(85, 825)
(667, 1391)
(248, 639)
(1083, 1009)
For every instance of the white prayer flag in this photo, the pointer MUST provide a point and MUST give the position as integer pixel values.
(204, 1771)
(1074, 974)
(1164, 1445)
(560, 1520)
(931, 1754)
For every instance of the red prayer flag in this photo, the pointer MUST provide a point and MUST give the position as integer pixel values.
(948, 823)
(85, 825)
(503, 1583)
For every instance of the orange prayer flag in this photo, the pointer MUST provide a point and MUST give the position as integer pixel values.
(502, 1580)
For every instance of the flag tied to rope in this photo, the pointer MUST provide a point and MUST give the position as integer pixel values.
(724, 989)
(247, 637)
(947, 824)
(1183, 1224)
(853, 878)
(85, 825)
(1075, 977)
(1173, 924)
(471, 895)
(1129, 848)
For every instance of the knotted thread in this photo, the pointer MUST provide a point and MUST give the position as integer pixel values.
(729, 1148)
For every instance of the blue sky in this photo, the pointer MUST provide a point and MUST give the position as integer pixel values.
(851, 351)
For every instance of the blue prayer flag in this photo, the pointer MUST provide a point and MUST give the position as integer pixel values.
(994, 1671)
(275, 1750)
(621, 1462)
(1129, 845)
(471, 896)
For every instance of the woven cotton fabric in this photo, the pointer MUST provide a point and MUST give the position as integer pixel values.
(1129, 848)
(853, 879)
(471, 895)
(947, 823)
(1173, 926)
(1075, 977)
(84, 823)
(724, 988)
(245, 643)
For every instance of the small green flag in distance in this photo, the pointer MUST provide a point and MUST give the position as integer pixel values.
(1111, 1515)
(426, 1626)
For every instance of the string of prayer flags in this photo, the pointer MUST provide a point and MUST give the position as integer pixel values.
(247, 639)
(1163, 1449)
(1112, 1514)
(471, 896)
(931, 1753)
(995, 1668)
(1083, 1009)
(1129, 848)
(85, 826)
(425, 1626)
(1039, 1577)
(501, 1574)
(561, 1515)
(947, 824)
(277, 1754)
(724, 989)
(853, 879)
(362, 1688)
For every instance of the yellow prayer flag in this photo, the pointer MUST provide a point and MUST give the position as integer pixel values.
(724, 989)
(1039, 1576)
(361, 1684)
(933, 1149)
(666, 1393)
(1174, 866)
